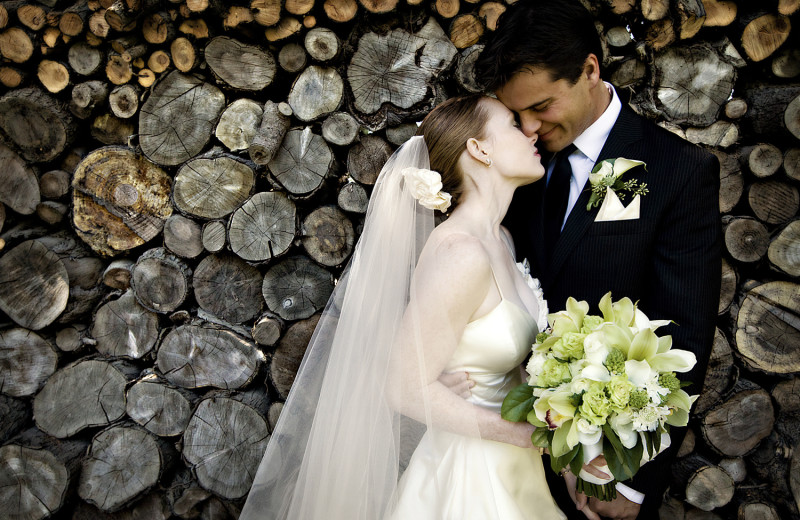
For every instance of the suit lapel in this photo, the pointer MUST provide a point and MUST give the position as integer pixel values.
(625, 132)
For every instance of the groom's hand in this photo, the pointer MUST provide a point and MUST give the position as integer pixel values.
(458, 382)
(618, 509)
(579, 498)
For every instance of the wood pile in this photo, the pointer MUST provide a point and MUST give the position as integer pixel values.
(183, 181)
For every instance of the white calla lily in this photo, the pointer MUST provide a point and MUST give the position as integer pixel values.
(621, 165)
(639, 372)
(673, 361)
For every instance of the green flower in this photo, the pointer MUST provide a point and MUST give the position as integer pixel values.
(569, 346)
(590, 324)
(619, 392)
(541, 337)
(596, 406)
(615, 362)
(669, 381)
(639, 399)
(553, 373)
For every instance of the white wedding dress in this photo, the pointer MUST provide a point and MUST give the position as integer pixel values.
(482, 479)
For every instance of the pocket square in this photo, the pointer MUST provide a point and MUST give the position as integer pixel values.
(612, 209)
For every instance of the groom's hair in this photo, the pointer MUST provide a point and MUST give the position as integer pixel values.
(554, 35)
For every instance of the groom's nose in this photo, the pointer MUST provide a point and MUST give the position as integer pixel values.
(530, 124)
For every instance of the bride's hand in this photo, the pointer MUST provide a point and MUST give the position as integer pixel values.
(581, 502)
(457, 382)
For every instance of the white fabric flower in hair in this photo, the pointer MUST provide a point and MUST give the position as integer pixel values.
(426, 187)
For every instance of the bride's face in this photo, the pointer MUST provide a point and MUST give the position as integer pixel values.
(513, 153)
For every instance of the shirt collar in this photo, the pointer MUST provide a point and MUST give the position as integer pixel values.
(591, 141)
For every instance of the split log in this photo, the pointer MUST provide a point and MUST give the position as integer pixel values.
(767, 337)
(353, 198)
(214, 236)
(729, 283)
(21, 186)
(16, 45)
(225, 464)
(118, 274)
(123, 328)
(737, 425)
(123, 463)
(763, 159)
(784, 250)
(173, 125)
(328, 236)
(194, 356)
(289, 353)
(36, 123)
(86, 96)
(53, 184)
(111, 130)
(692, 83)
(87, 393)
(322, 44)
(389, 74)
(183, 236)
(273, 124)
(158, 407)
(124, 101)
(722, 134)
(212, 186)
(731, 181)
(241, 66)
(691, 17)
(465, 68)
(228, 287)
(367, 157)
(774, 202)
(764, 34)
(340, 10)
(746, 239)
(120, 200)
(85, 59)
(296, 288)
(719, 378)
(264, 227)
(26, 361)
(238, 124)
(786, 63)
(160, 281)
(35, 285)
(302, 162)
(706, 485)
(316, 92)
(340, 128)
(268, 329)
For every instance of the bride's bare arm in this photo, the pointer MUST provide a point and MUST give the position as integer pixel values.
(450, 286)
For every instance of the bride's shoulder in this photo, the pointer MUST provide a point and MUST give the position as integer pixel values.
(455, 252)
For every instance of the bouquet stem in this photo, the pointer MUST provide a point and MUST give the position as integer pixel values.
(604, 492)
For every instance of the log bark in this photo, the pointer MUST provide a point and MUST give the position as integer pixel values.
(767, 336)
(465, 68)
(764, 34)
(268, 329)
(120, 200)
(87, 393)
(784, 250)
(160, 408)
(26, 361)
(35, 285)
(111, 130)
(728, 285)
(214, 236)
(173, 126)
(36, 123)
(296, 288)
(21, 186)
(328, 236)
(228, 287)
(746, 239)
(16, 415)
(123, 463)
(123, 328)
(239, 65)
(786, 63)
(264, 227)
(183, 236)
(773, 201)
(340, 128)
(195, 356)
(160, 281)
(271, 130)
(316, 92)
(212, 186)
(289, 353)
(225, 464)
(366, 158)
(353, 198)
(719, 378)
(302, 162)
(774, 111)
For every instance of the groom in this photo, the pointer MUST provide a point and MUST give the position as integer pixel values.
(544, 63)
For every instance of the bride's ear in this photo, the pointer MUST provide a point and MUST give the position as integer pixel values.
(479, 150)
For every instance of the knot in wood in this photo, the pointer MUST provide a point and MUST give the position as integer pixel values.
(125, 195)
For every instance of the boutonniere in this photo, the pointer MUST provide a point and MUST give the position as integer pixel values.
(606, 177)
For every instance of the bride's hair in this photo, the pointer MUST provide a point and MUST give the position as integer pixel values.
(446, 130)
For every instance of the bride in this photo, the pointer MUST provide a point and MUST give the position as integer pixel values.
(368, 431)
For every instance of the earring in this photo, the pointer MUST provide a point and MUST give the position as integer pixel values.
(489, 162)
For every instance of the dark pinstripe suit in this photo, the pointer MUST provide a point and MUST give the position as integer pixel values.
(668, 260)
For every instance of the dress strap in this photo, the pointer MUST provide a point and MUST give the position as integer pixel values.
(495, 282)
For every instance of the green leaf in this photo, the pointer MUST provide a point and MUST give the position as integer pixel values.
(532, 419)
(518, 403)
(558, 463)
(560, 445)
(625, 463)
(577, 463)
(541, 437)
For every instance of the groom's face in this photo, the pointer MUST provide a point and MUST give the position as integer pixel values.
(558, 110)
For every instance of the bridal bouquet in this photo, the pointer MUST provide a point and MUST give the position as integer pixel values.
(602, 385)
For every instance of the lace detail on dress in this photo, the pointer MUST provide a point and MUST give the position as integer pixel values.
(525, 268)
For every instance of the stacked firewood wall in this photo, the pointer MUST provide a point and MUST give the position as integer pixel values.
(182, 181)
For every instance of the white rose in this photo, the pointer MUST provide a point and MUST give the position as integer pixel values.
(594, 348)
(588, 433)
(534, 367)
(579, 384)
(606, 170)
(426, 187)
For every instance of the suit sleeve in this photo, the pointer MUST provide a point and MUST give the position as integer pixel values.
(685, 288)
